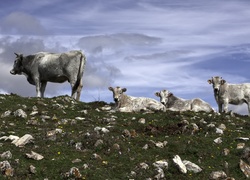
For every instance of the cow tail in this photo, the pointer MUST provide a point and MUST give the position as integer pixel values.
(80, 72)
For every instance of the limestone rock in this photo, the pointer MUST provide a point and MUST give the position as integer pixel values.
(34, 155)
(181, 166)
(217, 175)
(192, 167)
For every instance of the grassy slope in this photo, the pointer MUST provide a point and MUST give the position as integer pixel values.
(116, 163)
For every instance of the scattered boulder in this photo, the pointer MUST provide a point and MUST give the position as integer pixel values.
(178, 162)
(35, 156)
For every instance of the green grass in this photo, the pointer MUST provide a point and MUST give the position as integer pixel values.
(195, 146)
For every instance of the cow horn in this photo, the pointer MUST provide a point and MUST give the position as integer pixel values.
(16, 54)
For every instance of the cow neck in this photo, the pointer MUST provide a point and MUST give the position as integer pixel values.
(27, 67)
(171, 100)
(27, 64)
(123, 100)
(223, 88)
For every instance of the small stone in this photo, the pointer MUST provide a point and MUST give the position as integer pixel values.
(142, 121)
(219, 131)
(144, 166)
(218, 140)
(6, 155)
(245, 168)
(27, 138)
(20, 113)
(74, 172)
(76, 160)
(240, 145)
(34, 155)
(161, 164)
(32, 169)
(98, 142)
(192, 167)
(225, 151)
(218, 175)
(6, 114)
(177, 160)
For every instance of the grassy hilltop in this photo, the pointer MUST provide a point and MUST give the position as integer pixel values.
(86, 141)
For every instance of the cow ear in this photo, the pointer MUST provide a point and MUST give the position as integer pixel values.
(223, 81)
(124, 89)
(111, 89)
(209, 81)
(170, 94)
(157, 94)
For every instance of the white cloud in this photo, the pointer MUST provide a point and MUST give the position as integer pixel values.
(21, 23)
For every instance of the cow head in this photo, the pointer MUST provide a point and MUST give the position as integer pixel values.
(117, 92)
(217, 82)
(164, 95)
(17, 67)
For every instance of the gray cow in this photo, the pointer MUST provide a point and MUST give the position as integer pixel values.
(44, 67)
(226, 93)
(126, 103)
(175, 103)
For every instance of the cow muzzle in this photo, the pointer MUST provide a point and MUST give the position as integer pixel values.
(12, 72)
(216, 90)
(116, 99)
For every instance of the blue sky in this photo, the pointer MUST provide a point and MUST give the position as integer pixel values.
(143, 45)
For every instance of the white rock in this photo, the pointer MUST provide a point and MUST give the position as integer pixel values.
(79, 118)
(144, 165)
(245, 168)
(192, 167)
(145, 147)
(161, 164)
(218, 140)
(6, 114)
(160, 174)
(218, 175)
(142, 121)
(106, 108)
(23, 140)
(6, 155)
(10, 137)
(20, 113)
(242, 138)
(177, 160)
(219, 131)
(34, 155)
(33, 113)
(222, 127)
(211, 125)
(240, 145)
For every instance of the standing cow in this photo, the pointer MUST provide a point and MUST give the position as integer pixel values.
(175, 103)
(126, 103)
(44, 67)
(226, 93)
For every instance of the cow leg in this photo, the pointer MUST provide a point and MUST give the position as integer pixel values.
(225, 107)
(38, 89)
(43, 86)
(73, 90)
(220, 107)
(79, 89)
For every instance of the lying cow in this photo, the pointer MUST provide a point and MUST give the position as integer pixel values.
(44, 67)
(175, 103)
(226, 93)
(126, 103)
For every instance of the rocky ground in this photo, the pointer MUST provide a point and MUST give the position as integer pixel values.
(60, 138)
